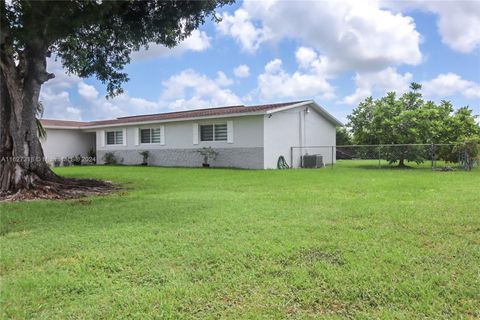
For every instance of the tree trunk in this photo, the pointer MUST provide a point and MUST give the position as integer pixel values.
(401, 163)
(24, 173)
(22, 162)
(23, 167)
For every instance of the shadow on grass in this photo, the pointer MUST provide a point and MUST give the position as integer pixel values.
(394, 167)
(374, 165)
(387, 167)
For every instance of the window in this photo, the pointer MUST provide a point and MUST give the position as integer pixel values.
(151, 135)
(213, 132)
(206, 133)
(114, 137)
(220, 132)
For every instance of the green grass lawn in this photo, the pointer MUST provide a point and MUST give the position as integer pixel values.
(217, 243)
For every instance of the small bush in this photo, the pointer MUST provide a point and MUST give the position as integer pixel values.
(77, 160)
(145, 154)
(91, 153)
(207, 153)
(110, 158)
(91, 156)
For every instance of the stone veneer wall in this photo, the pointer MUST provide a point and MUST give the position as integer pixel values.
(247, 158)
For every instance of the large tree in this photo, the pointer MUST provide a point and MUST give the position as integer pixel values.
(91, 38)
(409, 119)
(343, 137)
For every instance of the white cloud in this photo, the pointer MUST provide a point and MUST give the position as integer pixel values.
(350, 34)
(442, 86)
(305, 56)
(458, 21)
(88, 92)
(274, 66)
(459, 24)
(242, 71)
(62, 79)
(191, 90)
(185, 90)
(222, 80)
(378, 82)
(449, 84)
(275, 83)
(197, 41)
(58, 105)
(121, 105)
(242, 29)
(308, 59)
(56, 98)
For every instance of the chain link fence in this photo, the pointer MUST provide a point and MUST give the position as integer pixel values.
(430, 156)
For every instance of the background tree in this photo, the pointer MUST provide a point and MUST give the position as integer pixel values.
(409, 120)
(459, 128)
(91, 38)
(344, 137)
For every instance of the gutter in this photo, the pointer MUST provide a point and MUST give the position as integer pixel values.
(123, 124)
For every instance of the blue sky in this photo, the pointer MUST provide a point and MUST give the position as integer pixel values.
(335, 52)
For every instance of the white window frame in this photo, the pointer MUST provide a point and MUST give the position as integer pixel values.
(124, 138)
(162, 136)
(213, 137)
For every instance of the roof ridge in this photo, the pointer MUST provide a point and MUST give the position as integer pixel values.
(279, 103)
(212, 108)
(58, 122)
(48, 119)
(214, 111)
(183, 111)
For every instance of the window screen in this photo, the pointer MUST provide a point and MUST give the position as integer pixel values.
(220, 132)
(114, 137)
(213, 132)
(145, 136)
(150, 135)
(206, 132)
(155, 135)
(111, 137)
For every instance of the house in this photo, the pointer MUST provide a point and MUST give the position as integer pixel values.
(244, 136)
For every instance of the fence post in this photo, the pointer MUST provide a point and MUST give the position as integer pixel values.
(379, 157)
(333, 150)
(291, 157)
(433, 156)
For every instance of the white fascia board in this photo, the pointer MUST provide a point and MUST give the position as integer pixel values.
(63, 127)
(291, 106)
(127, 124)
(315, 106)
(327, 114)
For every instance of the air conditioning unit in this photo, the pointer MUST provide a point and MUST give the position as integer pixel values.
(312, 161)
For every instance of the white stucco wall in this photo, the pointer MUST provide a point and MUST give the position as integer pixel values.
(61, 143)
(247, 133)
(179, 149)
(297, 128)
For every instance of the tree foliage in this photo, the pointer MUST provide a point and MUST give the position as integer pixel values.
(409, 119)
(96, 38)
(344, 137)
(91, 38)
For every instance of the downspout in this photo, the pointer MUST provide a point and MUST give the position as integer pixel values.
(305, 127)
(302, 132)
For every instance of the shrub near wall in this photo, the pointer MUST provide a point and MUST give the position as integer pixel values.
(110, 158)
